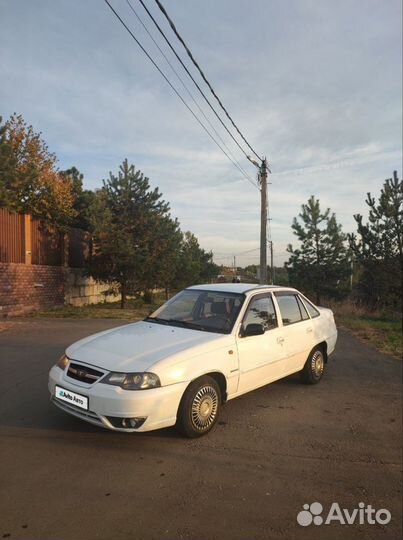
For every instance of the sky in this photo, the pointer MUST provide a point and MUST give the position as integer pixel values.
(314, 85)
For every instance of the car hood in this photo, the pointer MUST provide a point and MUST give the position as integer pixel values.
(136, 347)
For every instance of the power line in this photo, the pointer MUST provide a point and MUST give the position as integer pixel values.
(276, 257)
(172, 25)
(244, 253)
(191, 76)
(188, 91)
(173, 87)
(241, 252)
(236, 254)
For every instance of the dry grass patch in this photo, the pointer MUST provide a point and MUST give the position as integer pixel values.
(382, 332)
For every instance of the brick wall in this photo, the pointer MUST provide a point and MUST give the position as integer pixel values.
(25, 288)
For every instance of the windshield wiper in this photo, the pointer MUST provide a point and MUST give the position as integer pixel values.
(156, 320)
(195, 326)
(178, 322)
(172, 322)
(184, 324)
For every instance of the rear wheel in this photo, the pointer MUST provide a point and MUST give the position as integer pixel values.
(199, 408)
(314, 367)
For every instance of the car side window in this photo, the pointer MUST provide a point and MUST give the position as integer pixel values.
(261, 311)
(313, 312)
(302, 308)
(289, 308)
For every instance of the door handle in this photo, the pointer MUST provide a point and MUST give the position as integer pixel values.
(309, 330)
(280, 340)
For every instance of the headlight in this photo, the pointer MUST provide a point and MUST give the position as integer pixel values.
(62, 362)
(133, 381)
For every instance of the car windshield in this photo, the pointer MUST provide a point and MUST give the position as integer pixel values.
(208, 311)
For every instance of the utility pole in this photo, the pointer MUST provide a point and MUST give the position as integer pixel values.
(271, 263)
(263, 168)
(263, 222)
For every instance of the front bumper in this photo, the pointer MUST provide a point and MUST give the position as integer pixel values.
(107, 404)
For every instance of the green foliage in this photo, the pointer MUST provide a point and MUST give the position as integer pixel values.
(320, 266)
(164, 256)
(194, 264)
(251, 270)
(378, 247)
(29, 179)
(137, 246)
(5, 165)
(281, 276)
(130, 223)
(83, 198)
(385, 333)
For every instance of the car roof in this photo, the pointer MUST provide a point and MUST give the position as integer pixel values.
(240, 288)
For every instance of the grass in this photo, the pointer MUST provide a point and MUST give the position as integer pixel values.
(382, 332)
(381, 329)
(135, 310)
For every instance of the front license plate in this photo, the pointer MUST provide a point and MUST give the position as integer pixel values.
(71, 397)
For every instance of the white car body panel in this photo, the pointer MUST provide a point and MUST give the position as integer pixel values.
(261, 359)
(299, 341)
(180, 355)
(137, 346)
(159, 405)
(326, 330)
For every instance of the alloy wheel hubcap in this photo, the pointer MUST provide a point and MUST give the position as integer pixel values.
(204, 408)
(317, 364)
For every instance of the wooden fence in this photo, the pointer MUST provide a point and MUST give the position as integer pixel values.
(24, 239)
(12, 241)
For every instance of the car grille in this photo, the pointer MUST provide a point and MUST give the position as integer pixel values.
(83, 373)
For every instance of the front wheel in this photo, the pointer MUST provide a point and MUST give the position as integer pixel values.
(314, 367)
(199, 408)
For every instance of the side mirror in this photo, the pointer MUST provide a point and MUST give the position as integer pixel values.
(253, 330)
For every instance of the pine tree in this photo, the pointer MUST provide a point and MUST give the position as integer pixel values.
(82, 198)
(378, 247)
(127, 216)
(320, 265)
(195, 264)
(164, 256)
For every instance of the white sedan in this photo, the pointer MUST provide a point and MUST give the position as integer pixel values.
(205, 346)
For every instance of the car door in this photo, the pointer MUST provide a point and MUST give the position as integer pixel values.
(261, 357)
(297, 330)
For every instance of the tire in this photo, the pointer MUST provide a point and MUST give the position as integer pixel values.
(199, 407)
(314, 367)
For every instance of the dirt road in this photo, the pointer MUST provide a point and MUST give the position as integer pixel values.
(273, 451)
